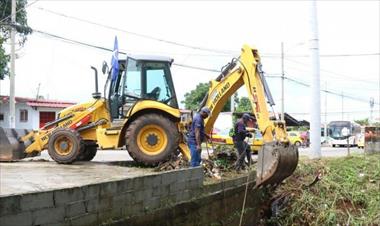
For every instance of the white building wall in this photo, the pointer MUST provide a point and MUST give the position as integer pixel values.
(33, 115)
(4, 109)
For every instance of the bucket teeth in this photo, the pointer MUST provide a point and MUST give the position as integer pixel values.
(11, 146)
(276, 161)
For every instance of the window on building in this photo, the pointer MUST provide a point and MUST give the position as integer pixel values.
(23, 115)
(1, 117)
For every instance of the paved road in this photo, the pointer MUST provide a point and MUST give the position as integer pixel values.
(101, 156)
(332, 152)
(122, 155)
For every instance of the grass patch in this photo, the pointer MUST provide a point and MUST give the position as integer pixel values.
(347, 194)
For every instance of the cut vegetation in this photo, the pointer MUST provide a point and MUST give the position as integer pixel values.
(346, 193)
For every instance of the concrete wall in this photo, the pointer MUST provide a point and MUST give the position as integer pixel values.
(102, 203)
(176, 198)
(33, 115)
(218, 204)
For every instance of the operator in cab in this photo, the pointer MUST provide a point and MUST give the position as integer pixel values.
(243, 148)
(197, 136)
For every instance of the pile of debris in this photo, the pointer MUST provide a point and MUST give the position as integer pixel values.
(219, 161)
(175, 162)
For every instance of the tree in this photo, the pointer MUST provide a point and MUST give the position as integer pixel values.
(363, 122)
(195, 97)
(244, 105)
(21, 27)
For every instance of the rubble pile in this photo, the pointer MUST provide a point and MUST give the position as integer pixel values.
(220, 160)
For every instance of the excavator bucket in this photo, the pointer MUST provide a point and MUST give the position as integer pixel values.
(11, 147)
(276, 161)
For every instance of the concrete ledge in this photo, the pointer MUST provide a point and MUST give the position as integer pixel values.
(101, 202)
(169, 198)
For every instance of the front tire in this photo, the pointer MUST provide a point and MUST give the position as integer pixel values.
(297, 144)
(152, 139)
(65, 145)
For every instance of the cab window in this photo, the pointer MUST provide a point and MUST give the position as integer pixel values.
(159, 85)
(132, 80)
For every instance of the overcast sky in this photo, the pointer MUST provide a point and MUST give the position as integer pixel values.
(345, 27)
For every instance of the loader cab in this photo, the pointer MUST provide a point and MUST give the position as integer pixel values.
(141, 78)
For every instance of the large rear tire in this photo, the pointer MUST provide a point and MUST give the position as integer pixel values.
(152, 139)
(65, 145)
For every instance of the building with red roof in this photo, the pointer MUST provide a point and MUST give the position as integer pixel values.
(31, 113)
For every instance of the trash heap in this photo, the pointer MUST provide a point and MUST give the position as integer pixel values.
(219, 160)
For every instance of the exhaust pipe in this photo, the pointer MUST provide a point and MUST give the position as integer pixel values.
(96, 95)
(11, 146)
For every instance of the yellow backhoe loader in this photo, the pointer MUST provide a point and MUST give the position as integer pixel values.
(139, 111)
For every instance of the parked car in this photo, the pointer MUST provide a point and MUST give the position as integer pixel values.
(223, 137)
(295, 138)
(361, 141)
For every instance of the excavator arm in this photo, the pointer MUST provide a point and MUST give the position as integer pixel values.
(278, 158)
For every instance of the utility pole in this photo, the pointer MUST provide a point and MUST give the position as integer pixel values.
(371, 105)
(325, 128)
(12, 107)
(315, 101)
(282, 82)
(342, 106)
(38, 91)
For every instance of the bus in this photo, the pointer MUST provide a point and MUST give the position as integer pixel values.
(336, 138)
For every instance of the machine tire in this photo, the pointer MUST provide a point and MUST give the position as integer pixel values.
(155, 132)
(89, 151)
(297, 144)
(63, 136)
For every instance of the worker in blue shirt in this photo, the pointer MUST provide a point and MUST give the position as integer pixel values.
(197, 136)
(243, 149)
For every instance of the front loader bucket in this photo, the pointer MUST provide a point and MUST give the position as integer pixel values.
(11, 147)
(276, 161)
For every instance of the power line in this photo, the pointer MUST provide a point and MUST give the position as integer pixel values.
(334, 73)
(191, 66)
(329, 91)
(220, 51)
(336, 78)
(196, 67)
(26, 6)
(350, 55)
(139, 34)
(72, 41)
(328, 55)
(332, 112)
(323, 90)
(337, 75)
